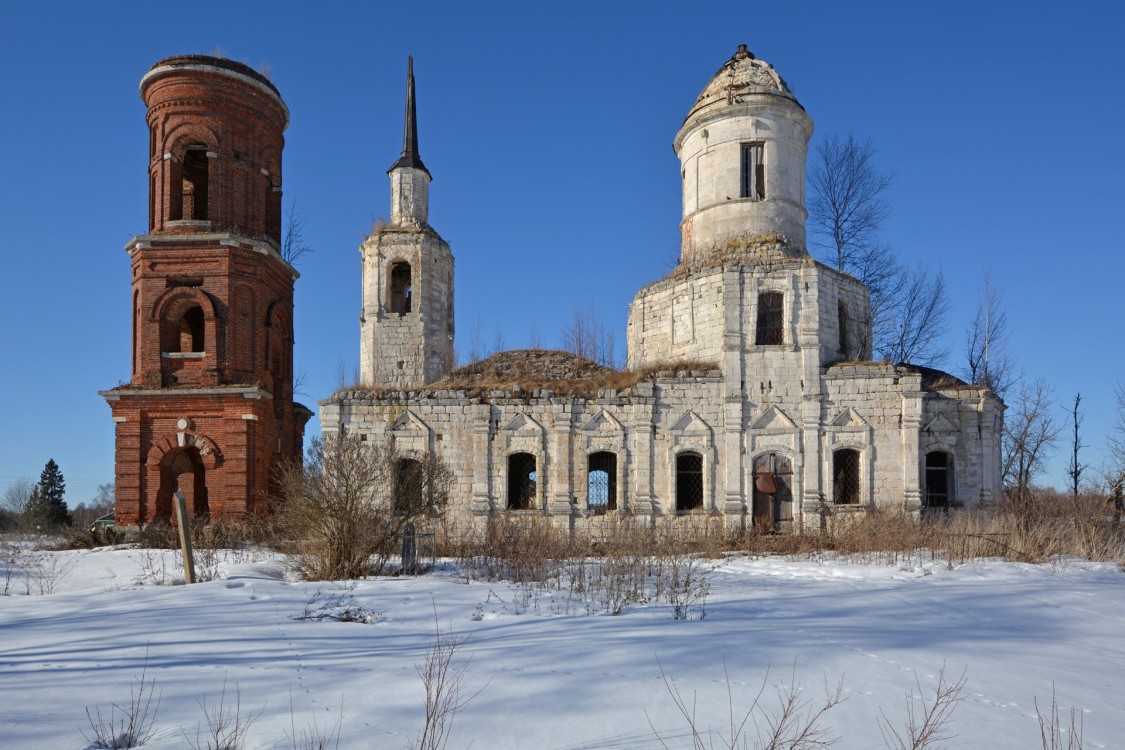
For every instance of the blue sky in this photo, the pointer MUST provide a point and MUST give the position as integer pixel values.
(548, 130)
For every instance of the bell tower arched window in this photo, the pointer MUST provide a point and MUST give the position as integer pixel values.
(402, 288)
(191, 331)
(188, 184)
(194, 184)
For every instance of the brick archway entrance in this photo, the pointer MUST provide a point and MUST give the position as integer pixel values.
(183, 469)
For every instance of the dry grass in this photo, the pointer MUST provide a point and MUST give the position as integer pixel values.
(736, 250)
(528, 372)
(1042, 529)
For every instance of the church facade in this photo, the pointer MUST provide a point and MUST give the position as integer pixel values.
(750, 394)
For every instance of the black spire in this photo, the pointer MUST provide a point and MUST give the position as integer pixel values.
(409, 156)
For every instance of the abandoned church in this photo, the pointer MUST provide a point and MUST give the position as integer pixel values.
(750, 393)
(749, 396)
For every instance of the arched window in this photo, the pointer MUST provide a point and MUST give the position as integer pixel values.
(773, 492)
(521, 481)
(182, 470)
(845, 476)
(689, 481)
(136, 324)
(408, 487)
(842, 320)
(401, 288)
(601, 481)
(939, 481)
(194, 183)
(771, 319)
(191, 331)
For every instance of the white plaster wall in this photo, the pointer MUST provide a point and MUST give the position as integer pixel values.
(411, 349)
(410, 197)
(710, 156)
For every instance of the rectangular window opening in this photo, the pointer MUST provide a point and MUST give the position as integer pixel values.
(753, 172)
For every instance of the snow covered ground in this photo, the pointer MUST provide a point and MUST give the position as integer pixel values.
(553, 681)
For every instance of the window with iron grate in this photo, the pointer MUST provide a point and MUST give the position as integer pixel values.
(689, 481)
(771, 319)
(845, 476)
(521, 481)
(601, 481)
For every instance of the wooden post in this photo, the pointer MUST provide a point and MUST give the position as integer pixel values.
(185, 537)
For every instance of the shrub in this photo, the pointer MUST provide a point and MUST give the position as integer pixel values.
(343, 511)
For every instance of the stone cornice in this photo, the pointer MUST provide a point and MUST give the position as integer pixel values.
(250, 392)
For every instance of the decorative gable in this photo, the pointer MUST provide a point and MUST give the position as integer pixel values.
(939, 424)
(410, 433)
(408, 422)
(524, 434)
(522, 424)
(691, 424)
(603, 422)
(849, 417)
(773, 418)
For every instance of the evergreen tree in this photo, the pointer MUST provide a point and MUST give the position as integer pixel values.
(46, 506)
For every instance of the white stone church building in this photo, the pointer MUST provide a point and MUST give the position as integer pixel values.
(751, 395)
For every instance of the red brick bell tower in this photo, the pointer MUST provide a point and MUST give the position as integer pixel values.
(209, 409)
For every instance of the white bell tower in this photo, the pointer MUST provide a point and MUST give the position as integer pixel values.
(406, 329)
(742, 151)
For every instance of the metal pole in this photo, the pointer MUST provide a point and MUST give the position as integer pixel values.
(185, 537)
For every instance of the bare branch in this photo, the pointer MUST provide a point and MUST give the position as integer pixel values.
(847, 206)
(1030, 431)
(346, 508)
(918, 320)
(293, 240)
(847, 201)
(587, 337)
(930, 725)
(986, 357)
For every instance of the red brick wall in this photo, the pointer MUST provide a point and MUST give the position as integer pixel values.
(238, 117)
(230, 405)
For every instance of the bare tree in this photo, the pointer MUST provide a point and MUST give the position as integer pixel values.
(478, 349)
(848, 202)
(351, 501)
(14, 504)
(293, 244)
(847, 205)
(1030, 431)
(1075, 468)
(986, 357)
(586, 336)
(17, 495)
(914, 331)
(534, 335)
(1117, 435)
